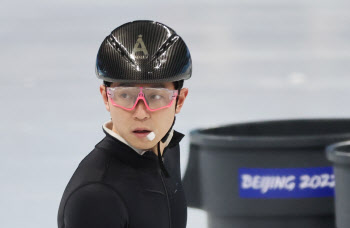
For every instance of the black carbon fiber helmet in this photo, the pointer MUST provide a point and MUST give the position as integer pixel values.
(143, 52)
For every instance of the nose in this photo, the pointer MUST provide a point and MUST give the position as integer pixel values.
(140, 111)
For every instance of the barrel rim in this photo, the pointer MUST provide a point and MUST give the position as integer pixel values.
(198, 136)
(336, 155)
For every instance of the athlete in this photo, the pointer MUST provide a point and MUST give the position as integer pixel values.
(132, 177)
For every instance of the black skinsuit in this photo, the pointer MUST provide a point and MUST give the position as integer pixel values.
(115, 187)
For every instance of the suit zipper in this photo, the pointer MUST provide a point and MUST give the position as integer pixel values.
(167, 196)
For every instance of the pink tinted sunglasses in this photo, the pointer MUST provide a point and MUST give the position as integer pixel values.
(153, 98)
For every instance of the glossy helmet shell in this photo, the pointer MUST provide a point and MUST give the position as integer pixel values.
(143, 52)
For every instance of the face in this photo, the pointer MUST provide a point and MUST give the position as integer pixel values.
(125, 122)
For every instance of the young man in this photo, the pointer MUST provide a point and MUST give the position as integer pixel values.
(132, 176)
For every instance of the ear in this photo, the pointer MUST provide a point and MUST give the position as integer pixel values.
(181, 101)
(104, 96)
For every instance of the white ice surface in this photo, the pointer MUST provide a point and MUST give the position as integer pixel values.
(252, 60)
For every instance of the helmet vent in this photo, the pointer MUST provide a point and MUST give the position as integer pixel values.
(121, 50)
(165, 46)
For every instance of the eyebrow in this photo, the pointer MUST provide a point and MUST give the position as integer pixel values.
(157, 85)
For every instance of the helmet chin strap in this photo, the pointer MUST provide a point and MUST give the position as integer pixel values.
(161, 164)
(167, 134)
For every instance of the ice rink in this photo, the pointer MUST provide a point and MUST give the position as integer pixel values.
(252, 60)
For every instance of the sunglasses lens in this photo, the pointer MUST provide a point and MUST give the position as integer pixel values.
(158, 98)
(125, 97)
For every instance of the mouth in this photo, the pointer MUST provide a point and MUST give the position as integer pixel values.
(141, 133)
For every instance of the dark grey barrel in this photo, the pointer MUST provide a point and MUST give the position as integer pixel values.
(339, 154)
(264, 174)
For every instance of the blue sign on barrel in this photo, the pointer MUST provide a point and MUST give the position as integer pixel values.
(286, 182)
